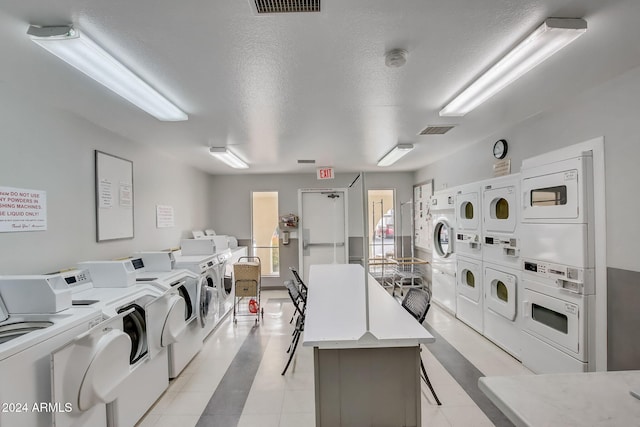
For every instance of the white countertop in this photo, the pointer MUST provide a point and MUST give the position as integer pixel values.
(587, 399)
(336, 315)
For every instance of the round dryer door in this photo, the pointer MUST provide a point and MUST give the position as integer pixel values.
(204, 300)
(135, 326)
(442, 238)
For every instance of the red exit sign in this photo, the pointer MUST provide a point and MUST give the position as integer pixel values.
(325, 173)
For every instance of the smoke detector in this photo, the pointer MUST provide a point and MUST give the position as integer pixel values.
(395, 58)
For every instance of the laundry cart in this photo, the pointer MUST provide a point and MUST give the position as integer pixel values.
(408, 273)
(247, 280)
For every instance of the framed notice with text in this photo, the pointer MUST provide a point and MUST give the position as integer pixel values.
(114, 197)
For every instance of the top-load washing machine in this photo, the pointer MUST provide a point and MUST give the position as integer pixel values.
(158, 268)
(558, 261)
(443, 271)
(37, 317)
(206, 267)
(123, 364)
(500, 222)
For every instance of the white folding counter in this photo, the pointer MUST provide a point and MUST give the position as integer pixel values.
(361, 377)
(571, 400)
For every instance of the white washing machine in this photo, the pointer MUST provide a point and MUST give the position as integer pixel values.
(443, 270)
(559, 303)
(151, 318)
(500, 206)
(30, 329)
(503, 293)
(158, 268)
(469, 292)
(206, 267)
(468, 225)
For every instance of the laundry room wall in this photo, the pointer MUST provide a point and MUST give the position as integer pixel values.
(610, 110)
(231, 206)
(51, 150)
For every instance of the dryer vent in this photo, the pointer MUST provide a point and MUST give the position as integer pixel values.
(436, 130)
(286, 6)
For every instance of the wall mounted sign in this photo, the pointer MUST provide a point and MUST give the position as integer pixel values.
(502, 167)
(164, 216)
(325, 173)
(22, 210)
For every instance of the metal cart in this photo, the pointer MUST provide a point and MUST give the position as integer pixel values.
(247, 280)
(408, 273)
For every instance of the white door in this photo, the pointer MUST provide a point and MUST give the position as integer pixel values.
(556, 192)
(500, 209)
(500, 292)
(88, 371)
(553, 320)
(323, 226)
(469, 279)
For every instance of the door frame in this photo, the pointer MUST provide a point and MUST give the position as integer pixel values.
(301, 224)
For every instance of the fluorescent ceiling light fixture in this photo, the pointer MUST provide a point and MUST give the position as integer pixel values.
(395, 154)
(84, 54)
(550, 37)
(223, 153)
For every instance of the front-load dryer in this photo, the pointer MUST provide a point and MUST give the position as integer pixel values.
(502, 307)
(443, 270)
(153, 320)
(469, 291)
(30, 330)
(468, 225)
(500, 223)
(158, 268)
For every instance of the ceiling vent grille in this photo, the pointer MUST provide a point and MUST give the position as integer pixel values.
(436, 130)
(287, 6)
(306, 162)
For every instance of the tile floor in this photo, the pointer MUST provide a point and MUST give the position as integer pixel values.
(275, 400)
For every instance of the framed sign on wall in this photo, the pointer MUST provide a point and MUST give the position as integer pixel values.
(114, 197)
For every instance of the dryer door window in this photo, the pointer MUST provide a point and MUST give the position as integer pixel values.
(135, 326)
(441, 238)
(501, 293)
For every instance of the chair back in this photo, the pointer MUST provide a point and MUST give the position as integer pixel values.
(417, 303)
(298, 279)
(297, 298)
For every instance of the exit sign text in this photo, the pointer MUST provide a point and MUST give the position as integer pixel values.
(325, 173)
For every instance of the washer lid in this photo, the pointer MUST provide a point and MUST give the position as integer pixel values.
(4, 313)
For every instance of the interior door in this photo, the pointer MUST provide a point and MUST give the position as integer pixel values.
(323, 226)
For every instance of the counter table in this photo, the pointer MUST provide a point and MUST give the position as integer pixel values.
(362, 377)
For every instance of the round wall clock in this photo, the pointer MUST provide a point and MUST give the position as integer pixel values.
(500, 149)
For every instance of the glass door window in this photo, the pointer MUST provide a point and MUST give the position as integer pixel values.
(265, 232)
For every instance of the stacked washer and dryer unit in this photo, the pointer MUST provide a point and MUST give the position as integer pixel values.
(468, 244)
(558, 261)
(443, 261)
(502, 275)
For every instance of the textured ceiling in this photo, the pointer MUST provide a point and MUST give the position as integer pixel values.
(312, 86)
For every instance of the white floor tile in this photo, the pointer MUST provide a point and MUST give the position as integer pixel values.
(264, 402)
(464, 416)
(149, 420)
(298, 419)
(296, 401)
(261, 420)
(177, 421)
(188, 403)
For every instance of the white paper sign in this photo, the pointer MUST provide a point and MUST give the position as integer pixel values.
(164, 216)
(106, 194)
(22, 210)
(125, 195)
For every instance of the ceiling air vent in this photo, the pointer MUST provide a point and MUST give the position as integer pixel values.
(305, 162)
(287, 6)
(436, 130)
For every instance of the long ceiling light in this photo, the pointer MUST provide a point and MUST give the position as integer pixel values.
(223, 153)
(550, 37)
(79, 51)
(395, 154)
